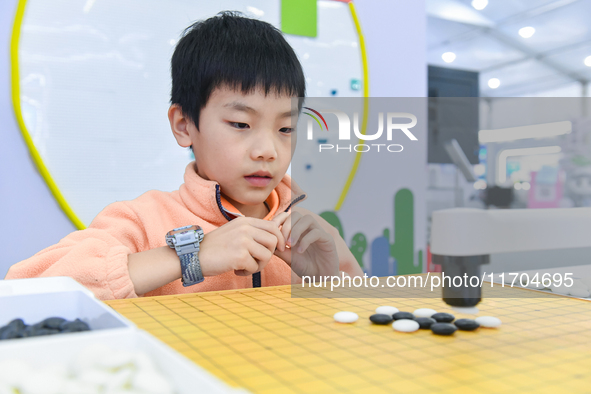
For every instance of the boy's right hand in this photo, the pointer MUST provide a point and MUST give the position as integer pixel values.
(244, 245)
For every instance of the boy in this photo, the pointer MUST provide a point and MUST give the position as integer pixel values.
(233, 80)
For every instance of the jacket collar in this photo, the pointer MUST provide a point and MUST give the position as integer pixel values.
(203, 197)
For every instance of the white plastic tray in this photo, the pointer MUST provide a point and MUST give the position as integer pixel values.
(14, 287)
(186, 376)
(34, 300)
(70, 305)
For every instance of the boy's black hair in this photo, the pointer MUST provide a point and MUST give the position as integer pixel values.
(231, 50)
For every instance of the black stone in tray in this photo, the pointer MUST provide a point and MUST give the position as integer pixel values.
(53, 325)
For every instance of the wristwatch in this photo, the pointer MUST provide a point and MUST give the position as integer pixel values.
(186, 240)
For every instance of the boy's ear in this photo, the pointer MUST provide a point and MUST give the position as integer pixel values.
(179, 124)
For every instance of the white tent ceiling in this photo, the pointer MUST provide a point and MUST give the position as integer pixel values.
(487, 41)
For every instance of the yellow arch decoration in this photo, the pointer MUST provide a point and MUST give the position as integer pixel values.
(16, 102)
(341, 199)
(44, 172)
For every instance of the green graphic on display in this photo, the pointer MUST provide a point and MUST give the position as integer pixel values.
(358, 243)
(402, 249)
(358, 247)
(334, 221)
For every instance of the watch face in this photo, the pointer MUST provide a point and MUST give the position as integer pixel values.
(185, 229)
(184, 235)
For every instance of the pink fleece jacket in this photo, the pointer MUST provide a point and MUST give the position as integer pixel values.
(97, 256)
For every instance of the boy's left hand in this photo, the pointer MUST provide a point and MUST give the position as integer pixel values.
(312, 251)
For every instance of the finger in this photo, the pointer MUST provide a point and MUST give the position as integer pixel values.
(283, 221)
(264, 238)
(247, 265)
(260, 254)
(309, 238)
(287, 226)
(284, 255)
(300, 226)
(285, 230)
(270, 227)
(279, 219)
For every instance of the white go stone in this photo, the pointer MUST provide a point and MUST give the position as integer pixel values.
(387, 310)
(14, 372)
(488, 321)
(151, 383)
(405, 325)
(115, 360)
(346, 317)
(424, 312)
(43, 382)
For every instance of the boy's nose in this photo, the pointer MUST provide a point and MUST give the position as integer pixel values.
(264, 149)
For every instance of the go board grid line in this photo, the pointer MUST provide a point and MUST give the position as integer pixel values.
(297, 364)
(266, 346)
(329, 360)
(545, 306)
(172, 332)
(377, 365)
(214, 360)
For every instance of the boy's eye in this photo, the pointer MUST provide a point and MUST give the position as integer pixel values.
(286, 130)
(239, 125)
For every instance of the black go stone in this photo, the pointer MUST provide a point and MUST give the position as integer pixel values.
(52, 322)
(19, 324)
(443, 317)
(466, 324)
(47, 331)
(53, 325)
(74, 326)
(425, 322)
(380, 318)
(11, 332)
(403, 315)
(443, 328)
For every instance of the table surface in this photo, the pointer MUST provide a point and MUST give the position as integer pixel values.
(267, 341)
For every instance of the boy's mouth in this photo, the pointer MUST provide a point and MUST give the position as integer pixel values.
(259, 178)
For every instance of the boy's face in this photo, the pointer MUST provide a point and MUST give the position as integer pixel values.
(245, 143)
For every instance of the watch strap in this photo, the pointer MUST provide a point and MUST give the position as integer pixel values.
(191, 269)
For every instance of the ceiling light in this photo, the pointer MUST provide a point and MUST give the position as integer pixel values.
(479, 4)
(494, 83)
(527, 32)
(448, 57)
(588, 61)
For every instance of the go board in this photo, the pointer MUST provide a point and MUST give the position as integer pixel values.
(268, 342)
